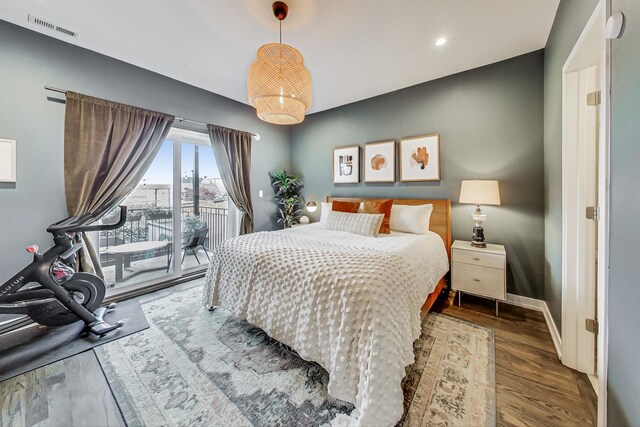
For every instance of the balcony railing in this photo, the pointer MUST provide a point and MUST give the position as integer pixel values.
(216, 220)
(157, 224)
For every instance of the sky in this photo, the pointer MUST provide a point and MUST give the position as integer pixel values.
(161, 170)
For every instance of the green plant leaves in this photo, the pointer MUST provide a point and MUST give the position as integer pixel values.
(287, 190)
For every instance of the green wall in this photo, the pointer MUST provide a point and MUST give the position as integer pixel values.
(28, 62)
(624, 265)
(490, 121)
(571, 18)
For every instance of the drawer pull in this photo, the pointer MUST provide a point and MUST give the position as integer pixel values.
(476, 280)
(476, 259)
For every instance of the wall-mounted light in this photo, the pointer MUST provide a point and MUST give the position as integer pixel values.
(441, 41)
(312, 207)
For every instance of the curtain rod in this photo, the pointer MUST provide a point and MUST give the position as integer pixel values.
(256, 136)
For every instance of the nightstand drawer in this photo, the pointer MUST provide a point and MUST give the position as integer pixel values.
(478, 280)
(478, 258)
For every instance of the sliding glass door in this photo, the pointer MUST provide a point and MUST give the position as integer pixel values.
(204, 204)
(176, 215)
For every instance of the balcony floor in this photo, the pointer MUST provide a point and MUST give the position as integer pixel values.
(149, 269)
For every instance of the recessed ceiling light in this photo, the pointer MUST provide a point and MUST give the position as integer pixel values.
(441, 41)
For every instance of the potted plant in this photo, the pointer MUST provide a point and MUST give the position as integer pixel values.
(191, 223)
(287, 190)
(153, 212)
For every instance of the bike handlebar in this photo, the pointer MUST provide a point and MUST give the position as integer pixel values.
(80, 225)
(106, 227)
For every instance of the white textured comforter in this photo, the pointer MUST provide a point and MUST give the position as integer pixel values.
(350, 303)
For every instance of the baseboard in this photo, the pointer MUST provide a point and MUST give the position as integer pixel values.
(525, 302)
(593, 379)
(539, 305)
(553, 330)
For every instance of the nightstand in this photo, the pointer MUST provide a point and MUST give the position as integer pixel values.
(479, 271)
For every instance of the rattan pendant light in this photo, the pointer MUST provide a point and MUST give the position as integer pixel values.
(278, 84)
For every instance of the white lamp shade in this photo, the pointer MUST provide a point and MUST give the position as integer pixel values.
(480, 192)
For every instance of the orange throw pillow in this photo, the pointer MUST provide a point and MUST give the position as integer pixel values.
(349, 207)
(380, 206)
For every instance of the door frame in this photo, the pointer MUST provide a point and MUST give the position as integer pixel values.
(597, 21)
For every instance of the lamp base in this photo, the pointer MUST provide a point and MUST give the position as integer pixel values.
(477, 240)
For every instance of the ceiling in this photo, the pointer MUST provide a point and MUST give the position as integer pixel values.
(354, 49)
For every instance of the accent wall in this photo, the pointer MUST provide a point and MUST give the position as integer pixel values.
(490, 121)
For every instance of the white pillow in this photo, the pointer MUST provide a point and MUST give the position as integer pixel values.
(357, 223)
(325, 208)
(410, 219)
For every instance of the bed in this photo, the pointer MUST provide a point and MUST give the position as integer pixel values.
(352, 304)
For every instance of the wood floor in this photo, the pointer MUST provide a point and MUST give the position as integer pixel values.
(71, 392)
(533, 387)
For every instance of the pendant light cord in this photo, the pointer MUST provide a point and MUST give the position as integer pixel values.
(280, 32)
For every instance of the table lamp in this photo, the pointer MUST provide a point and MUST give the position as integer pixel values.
(479, 192)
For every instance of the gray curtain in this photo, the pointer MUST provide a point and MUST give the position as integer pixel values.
(107, 149)
(232, 149)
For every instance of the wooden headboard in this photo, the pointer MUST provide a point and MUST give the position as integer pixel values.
(440, 222)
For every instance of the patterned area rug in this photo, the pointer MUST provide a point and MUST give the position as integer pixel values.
(195, 367)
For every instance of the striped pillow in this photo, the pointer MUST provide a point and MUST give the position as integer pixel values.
(357, 223)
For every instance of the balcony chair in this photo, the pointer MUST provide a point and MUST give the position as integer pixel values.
(195, 241)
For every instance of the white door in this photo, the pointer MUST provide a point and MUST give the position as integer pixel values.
(580, 197)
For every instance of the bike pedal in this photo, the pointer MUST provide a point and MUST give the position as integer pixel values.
(103, 328)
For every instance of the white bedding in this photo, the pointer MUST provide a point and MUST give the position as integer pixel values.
(348, 302)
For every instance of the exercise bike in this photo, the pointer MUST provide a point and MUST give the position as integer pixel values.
(51, 292)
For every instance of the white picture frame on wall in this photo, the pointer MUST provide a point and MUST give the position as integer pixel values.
(420, 158)
(8, 160)
(346, 165)
(380, 161)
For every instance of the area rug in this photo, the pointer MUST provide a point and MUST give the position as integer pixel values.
(195, 367)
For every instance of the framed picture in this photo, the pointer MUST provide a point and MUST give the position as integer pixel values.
(346, 165)
(380, 162)
(420, 158)
(7, 160)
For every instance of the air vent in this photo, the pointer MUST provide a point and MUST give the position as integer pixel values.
(49, 25)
